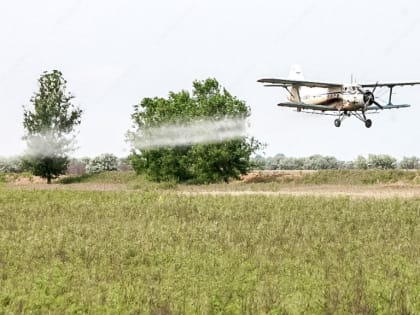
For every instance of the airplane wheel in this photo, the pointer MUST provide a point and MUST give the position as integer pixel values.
(337, 122)
(368, 123)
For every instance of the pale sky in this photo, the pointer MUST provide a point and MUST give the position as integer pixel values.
(114, 53)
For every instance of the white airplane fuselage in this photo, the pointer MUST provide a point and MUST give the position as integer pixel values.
(348, 98)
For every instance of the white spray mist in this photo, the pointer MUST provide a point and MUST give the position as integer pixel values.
(47, 144)
(194, 132)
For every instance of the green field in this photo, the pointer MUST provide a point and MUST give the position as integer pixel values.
(162, 252)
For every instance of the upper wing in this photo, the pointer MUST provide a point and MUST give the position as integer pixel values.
(390, 85)
(307, 106)
(287, 83)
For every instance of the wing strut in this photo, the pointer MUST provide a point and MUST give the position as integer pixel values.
(390, 95)
(298, 93)
(288, 91)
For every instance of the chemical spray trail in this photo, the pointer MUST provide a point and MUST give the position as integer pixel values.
(180, 134)
(48, 144)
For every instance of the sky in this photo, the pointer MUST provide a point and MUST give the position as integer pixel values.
(114, 53)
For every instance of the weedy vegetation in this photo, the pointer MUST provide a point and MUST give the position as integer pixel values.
(338, 177)
(158, 252)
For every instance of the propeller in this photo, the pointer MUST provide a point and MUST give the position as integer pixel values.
(369, 97)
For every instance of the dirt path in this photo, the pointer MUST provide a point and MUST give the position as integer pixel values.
(245, 187)
(377, 191)
(365, 191)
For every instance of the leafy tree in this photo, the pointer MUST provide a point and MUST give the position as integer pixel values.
(103, 163)
(314, 162)
(11, 165)
(273, 161)
(412, 162)
(381, 161)
(319, 162)
(201, 163)
(49, 127)
(291, 163)
(258, 162)
(360, 163)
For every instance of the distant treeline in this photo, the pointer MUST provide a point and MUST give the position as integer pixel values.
(110, 162)
(86, 165)
(321, 162)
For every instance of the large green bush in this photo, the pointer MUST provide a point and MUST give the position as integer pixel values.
(199, 163)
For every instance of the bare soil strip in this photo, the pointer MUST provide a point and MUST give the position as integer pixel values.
(249, 185)
(376, 191)
(362, 191)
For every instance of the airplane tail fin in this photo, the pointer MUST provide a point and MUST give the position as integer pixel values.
(295, 73)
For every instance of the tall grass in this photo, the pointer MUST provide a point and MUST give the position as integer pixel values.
(135, 253)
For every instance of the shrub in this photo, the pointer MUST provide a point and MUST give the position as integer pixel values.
(319, 162)
(11, 165)
(410, 163)
(258, 162)
(381, 161)
(102, 163)
(360, 163)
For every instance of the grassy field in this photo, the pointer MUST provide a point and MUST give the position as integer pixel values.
(148, 250)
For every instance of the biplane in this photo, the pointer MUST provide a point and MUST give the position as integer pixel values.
(341, 100)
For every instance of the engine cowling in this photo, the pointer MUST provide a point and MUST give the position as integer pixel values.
(368, 98)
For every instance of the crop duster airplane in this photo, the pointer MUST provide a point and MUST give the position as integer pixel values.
(333, 99)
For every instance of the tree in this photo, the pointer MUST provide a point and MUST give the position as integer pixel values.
(360, 163)
(10, 165)
(102, 163)
(49, 127)
(412, 162)
(319, 162)
(381, 161)
(258, 162)
(195, 162)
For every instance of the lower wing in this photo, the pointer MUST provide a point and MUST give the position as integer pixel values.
(390, 106)
(308, 106)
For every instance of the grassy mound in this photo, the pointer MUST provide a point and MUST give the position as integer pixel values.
(337, 177)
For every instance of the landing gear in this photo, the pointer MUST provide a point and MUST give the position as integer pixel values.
(341, 116)
(368, 122)
(361, 116)
(337, 122)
